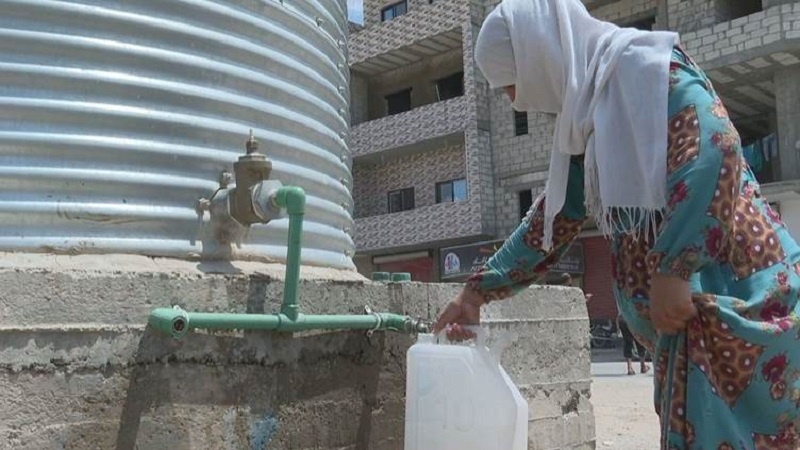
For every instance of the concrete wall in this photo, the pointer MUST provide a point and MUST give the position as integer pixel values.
(78, 369)
(359, 99)
(790, 213)
(787, 98)
(768, 32)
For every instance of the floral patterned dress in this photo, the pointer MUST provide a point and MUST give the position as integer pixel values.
(732, 379)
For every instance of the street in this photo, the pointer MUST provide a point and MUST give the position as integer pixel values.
(623, 405)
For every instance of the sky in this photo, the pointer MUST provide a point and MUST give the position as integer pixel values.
(355, 10)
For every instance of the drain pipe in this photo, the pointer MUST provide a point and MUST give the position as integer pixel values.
(266, 199)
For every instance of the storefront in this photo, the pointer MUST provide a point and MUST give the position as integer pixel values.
(598, 279)
(588, 261)
(458, 263)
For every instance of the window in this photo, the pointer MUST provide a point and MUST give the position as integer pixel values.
(450, 87)
(525, 203)
(644, 24)
(393, 11)
(398, 102)
(734, 9)
(401, 200)
(451, 191)
(520, 123)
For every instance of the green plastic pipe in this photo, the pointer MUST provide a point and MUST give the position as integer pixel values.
(294, 200)
(177, 322)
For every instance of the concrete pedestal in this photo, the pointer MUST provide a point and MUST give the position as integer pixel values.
(79, 369)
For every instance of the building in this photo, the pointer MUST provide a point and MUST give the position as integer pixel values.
(440, 161)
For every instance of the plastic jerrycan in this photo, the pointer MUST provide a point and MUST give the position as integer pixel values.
(458, 397)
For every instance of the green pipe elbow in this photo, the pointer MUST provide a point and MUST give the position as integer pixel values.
(293, 198)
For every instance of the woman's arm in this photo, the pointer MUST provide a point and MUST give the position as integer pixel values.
(521, 260)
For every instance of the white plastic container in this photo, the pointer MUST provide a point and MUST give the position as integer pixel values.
(458, 397)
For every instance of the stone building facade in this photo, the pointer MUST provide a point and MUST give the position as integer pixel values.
(750, 49)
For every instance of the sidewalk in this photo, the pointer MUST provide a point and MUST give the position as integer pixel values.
(623, 404)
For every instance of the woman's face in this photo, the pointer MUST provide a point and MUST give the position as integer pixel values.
(512, 92)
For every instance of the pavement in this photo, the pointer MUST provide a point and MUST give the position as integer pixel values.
(623, 404)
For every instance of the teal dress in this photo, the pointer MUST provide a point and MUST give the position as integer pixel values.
(731, 380)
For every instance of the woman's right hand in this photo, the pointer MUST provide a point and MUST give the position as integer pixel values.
(463, 310)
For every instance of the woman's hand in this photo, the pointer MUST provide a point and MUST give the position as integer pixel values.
(465, 309)
(671, 305)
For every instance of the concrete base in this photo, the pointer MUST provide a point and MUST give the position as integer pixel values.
(79, 369)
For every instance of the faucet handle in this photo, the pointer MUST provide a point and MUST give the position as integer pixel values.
(252, 143)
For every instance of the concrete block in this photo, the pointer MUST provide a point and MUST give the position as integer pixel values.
(770, 38)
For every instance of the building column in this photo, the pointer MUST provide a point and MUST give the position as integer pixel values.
(787, 99)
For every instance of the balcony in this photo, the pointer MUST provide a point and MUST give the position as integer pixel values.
(390, 45)
(421, 124)
(418, 227)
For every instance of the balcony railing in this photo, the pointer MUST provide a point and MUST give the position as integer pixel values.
(417, 125)
(432, 223)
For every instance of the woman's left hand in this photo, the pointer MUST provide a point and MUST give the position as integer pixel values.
(671, 306)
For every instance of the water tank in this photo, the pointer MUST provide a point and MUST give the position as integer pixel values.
(116, 116)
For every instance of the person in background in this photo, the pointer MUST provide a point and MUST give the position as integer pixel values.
(566, 280)
(706, 275)
(628, 343)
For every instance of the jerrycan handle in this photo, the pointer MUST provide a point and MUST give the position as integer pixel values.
(494, 353)
(480, 336)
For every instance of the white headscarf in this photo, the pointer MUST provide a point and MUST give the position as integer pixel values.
(608, 87)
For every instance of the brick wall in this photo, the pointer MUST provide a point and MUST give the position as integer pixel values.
(477, 137)
(422, 171)
(519, 154)
(690, 15)
(723, 43)
(519, 162)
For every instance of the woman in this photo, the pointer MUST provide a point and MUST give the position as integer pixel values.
(706, 274)
(628, 343)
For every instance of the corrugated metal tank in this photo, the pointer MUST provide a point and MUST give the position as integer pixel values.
(116, 116)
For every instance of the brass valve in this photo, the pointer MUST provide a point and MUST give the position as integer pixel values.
(249, 171)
